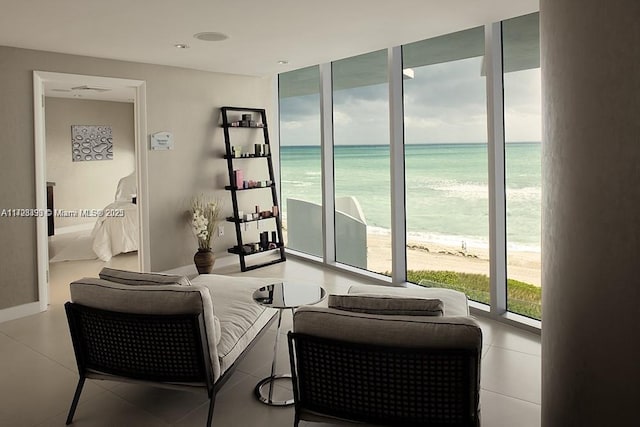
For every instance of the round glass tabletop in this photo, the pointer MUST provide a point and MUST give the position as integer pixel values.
(289, 294)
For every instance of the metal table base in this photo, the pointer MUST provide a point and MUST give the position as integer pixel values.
(268, 399)
(271, 379)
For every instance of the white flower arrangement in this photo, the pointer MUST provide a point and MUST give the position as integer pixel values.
(205, 216)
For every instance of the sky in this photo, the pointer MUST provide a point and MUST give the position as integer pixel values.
(443, 103)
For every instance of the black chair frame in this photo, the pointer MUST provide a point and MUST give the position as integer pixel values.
(145, 347)
(384, 385)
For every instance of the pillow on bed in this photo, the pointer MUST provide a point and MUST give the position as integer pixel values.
(388, 305)
(134, 278)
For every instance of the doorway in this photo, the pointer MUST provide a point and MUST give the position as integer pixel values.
(94, 91)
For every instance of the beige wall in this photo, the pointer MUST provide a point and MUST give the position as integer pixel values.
(184, 102)
(591, 226)
(86, 185)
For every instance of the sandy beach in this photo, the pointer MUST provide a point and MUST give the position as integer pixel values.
(521, 265)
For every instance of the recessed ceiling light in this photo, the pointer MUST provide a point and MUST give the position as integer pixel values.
(211, 36)
(283, 62)
(181, 46)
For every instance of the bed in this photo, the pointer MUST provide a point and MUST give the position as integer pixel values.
(116, 230)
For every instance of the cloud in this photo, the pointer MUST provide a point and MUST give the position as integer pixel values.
(422, 122)
(443, 103)
(290, 125)
(300, 120)
(299, 108)
(448, 85)
(341, 118)
(361, 93)
(361, 116)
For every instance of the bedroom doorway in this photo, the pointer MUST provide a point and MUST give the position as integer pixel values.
(90, 135)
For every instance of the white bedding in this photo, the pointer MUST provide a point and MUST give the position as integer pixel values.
(114, 234)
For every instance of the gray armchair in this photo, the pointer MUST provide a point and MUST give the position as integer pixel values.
(162, 330)
(404, 365)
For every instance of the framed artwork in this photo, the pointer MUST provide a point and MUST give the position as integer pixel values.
(91, 142)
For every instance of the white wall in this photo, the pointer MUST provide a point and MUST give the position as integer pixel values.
(304, 230)
(88, 184)
(184, 102)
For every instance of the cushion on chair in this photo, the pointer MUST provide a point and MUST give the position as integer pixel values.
(455, 303)
(241, 318)
(134, 278)
(425, 368)
(387, 305)
(152, 299)
(396, 331)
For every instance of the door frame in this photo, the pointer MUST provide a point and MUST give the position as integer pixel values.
(40, 79)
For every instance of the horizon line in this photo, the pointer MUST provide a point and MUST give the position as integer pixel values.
(423, 143)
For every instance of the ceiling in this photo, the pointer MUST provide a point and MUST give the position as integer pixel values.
(521, 48)
(260, 33)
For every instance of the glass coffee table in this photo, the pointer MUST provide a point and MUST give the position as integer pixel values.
(283, 296)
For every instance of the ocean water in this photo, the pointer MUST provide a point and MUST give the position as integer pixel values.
(446, 191)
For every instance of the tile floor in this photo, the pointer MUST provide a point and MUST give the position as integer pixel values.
(39, 375)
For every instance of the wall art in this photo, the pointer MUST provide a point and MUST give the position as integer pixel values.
(91, 142)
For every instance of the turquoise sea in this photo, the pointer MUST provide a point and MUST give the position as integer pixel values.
(446, 189)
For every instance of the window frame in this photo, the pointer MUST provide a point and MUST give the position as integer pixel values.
(497, 309)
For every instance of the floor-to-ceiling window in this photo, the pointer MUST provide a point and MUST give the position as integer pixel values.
(300, 162)
(446, 163)
(459, 194)
(522, 125)
(361, 162)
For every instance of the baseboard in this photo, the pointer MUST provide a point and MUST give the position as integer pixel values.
(74, 228)
(19, 311)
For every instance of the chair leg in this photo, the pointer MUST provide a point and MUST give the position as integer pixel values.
(76, 398)
(212, 402)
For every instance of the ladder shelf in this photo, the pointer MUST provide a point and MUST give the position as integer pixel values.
(262, 153)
